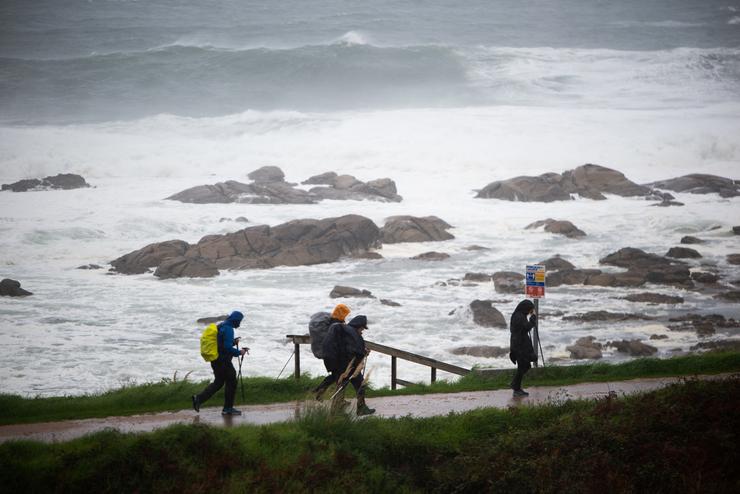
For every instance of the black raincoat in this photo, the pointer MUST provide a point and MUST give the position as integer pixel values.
(521, 343)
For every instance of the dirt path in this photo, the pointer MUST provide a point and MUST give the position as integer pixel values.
(389, 406)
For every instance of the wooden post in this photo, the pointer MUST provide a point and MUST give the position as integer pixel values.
(434, 374)
(393, 372)
(297, 360)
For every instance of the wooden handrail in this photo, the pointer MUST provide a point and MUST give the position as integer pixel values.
(395, 353)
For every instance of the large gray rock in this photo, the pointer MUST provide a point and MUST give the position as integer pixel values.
(485, 314)
(631, 258)
(654, 298)
(478, 277)
(399, 229)
(602, 315)
(560, 227)
(347, 187)
(296, 243)
(63, 181)
(485, 351)
(589, 181)
(348, 292)
(699, 183)
(736, 230)
(557, 263)
(431, 256)
(649, 267)
(12, 288)
(327, 178)
(570, 277)
(255, 193)
(186, 267)
(704, 277)
(635, 348)
(267, 174)
(151, 256)
(585, 348)
(704, 324)
(508, 282)
(683, 253)
(733, 258)
(688, 239)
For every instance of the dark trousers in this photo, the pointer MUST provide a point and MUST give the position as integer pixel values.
(224, 373)
(334, 377)
(522, 367)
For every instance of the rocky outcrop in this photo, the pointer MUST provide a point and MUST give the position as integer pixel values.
(267, 175)
(12, 288)
(634, 348)
(560, 227)
(299, 242)
(698, 183)
(570, 277)
(327, 178)
(389, 303)
(730, 296)
(557, 263)
(704, 277)
(585, 348)
(602, 315)
(431, 256)
(398, 229)
(151, 256)
(703, 324)
(65, 181)
(254, 193)
(486, 315)
(484, 351)
(478, 277)
(683, 253)
(186, 267)
(736, 230)
(654, 298)
(649, 267)
(589, 181)
(508, 282)
(688, 239)
(723, 345)
(733, 259)
(348, 292)
(347, 187)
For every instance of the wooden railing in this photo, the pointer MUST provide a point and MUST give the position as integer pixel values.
(395, 354)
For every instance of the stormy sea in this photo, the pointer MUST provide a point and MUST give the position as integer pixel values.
(145, 99)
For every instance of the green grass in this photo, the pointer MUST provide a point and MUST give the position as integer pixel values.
(171, 395)
(682, 438)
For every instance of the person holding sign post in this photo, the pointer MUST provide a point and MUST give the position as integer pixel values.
(522, 353)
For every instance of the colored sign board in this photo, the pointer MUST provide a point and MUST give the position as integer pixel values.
(534, 281)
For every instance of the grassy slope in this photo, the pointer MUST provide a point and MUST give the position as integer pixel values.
(168, 395)
(680, 439)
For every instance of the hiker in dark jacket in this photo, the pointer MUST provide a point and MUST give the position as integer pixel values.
(522, 353)
(223, 369)
(344, 345)
(338, 315)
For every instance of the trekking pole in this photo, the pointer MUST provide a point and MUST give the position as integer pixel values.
(286, 364)
(342, 381)
(357, 370)
(241, 380)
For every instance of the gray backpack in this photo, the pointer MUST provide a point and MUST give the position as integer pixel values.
(318, 327)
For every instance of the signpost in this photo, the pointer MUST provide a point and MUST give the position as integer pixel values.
(534, 287)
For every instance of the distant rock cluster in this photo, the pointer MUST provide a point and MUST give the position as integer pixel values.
(268, 186)
(593, 181)
(63, 181)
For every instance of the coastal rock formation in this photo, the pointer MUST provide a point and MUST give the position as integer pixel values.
(733, 258)
(267, 175)
(560, 227)
(585, 348)
(389, 303)
(186, 267)
(704, 325)
(730, 296)
(557, 263)
(508, 282)
(299, 242)
(254, 193)
(634, 348)
(704, 277)
(151, 256)
(683, 253)
(63, 181)
(589, 181)
(688, 239)
(486, 315)
(12, 288)
(431, 256)
(478, 277)
(602, 315)
(398, 229)
(649, 267)
(736, 230)
(654, 298)
(347, 187)
(699, 183)
(485, 351)
(348, 292)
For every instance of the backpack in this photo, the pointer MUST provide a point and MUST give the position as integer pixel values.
(209, 343)
(318, 327)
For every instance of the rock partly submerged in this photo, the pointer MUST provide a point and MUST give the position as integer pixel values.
(63, 181)
(588, 181)
(486, 315)
(699, 183)
(560, 227)
(12, 288)
(398, 229)
(296, 243)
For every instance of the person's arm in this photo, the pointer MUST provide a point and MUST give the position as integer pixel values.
(227, 333)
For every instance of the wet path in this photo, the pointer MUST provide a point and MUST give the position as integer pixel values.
(390, 406)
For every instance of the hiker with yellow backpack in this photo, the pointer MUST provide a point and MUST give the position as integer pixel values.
(218, 346)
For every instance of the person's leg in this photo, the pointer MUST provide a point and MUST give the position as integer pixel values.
(521, 368)
(230, 390)
(362, 408)
(218, 381)
(328, 381)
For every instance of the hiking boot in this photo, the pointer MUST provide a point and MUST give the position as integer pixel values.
(364, 410)
(230, 411)
(196, 403)
(520, 392)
